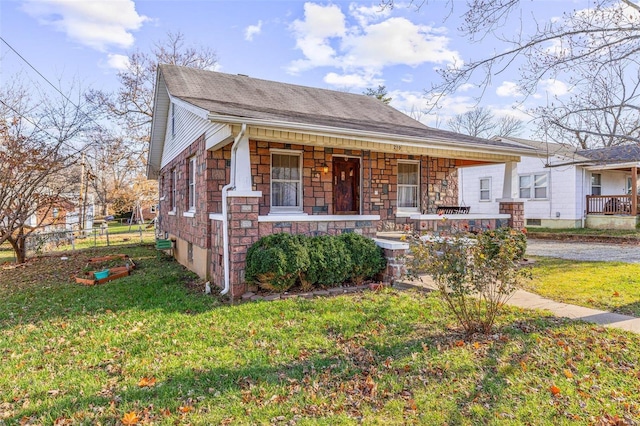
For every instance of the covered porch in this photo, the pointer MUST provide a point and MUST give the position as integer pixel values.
(615, 211)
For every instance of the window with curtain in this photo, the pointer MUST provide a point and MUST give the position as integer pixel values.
(485, 189)
(286, 182)
(408, 185)
(191, 194)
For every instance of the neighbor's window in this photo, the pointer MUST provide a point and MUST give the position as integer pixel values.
(174, 185)
(55, 213)
(408, 184)
(286, 182)
(153, 208)
(191, 193)
(533, 186)
(485, 189)
(596, 184)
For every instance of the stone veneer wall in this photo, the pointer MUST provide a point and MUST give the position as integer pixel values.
(379, 180)
(196, 229)
(516, 210)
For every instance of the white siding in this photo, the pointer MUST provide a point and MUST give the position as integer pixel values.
(188, 128)
(561, 189)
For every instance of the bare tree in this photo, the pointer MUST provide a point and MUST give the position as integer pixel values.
(602, 111)
(481, 122)
(38, 143)
(132, 103)
(600, 38)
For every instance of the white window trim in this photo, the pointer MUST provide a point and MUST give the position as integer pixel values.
(532, 187)
(409, 209)
(191, 184)
(282, 209)
(487, 200)
(174, 191)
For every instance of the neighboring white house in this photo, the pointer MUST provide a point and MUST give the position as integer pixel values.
(561, 186)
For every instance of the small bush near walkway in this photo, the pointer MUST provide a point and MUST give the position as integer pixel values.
(475, 273)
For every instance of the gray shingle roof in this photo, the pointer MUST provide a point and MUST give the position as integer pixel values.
(614, 154)
(246, 97)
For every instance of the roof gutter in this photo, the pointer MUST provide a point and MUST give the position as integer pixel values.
(225, 217)
(385, 138)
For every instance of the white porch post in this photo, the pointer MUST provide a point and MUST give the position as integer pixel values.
(243, 166)
(510, 188)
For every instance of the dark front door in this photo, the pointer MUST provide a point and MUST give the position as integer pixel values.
(346, 185)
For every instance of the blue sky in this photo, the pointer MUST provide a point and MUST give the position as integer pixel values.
(343, 45)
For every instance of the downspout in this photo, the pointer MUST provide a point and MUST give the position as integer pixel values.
(225, 219)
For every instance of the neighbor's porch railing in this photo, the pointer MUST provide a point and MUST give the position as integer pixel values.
(611, 204)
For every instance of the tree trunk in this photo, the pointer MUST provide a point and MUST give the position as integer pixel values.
(18, 243)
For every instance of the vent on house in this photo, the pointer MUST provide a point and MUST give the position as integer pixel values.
(534, 222)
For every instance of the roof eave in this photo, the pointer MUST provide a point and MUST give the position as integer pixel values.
(386, 138)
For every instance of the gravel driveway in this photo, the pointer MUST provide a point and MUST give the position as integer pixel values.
(589, 251)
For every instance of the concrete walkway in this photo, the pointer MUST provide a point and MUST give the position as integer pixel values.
(524, 299)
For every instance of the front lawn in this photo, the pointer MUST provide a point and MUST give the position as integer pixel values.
(149, 348)
(610, 286)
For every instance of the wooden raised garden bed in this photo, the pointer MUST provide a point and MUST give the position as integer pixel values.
(115, 272)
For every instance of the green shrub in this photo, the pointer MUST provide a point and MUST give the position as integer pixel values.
(494, 240)
(330, 262)
(367, 258)
(275, 262)
(475, 274)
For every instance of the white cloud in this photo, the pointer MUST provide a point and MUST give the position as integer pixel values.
(365, 47)
(119, 62)
(508, 89)
(554, 87)
(359, 81)
(407, 78)
(98, 23)
(367, 14)
(252, 30)
(465, 87)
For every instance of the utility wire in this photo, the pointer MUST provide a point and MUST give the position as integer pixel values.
(62, 142)
(50, 84)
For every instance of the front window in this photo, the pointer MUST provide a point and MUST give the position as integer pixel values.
(596, 184)
(408, 184)
(191, 193)
(286, 182)
(485, 189)
(533, 186)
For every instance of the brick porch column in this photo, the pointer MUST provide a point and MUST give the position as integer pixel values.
(516, 210)
(393, 252)
(242, 214)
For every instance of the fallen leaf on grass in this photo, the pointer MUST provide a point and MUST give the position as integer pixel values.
(147, 382)
(554, 390)
(616, 294)
(130, 418)
(460, 343)
(185, 408)
(568, 374)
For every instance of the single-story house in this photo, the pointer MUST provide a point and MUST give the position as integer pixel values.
(562, 186)
(238, 158)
